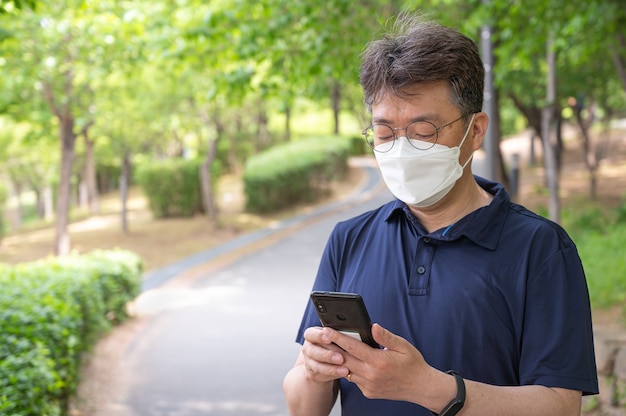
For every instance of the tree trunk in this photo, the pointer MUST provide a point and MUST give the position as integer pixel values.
(124, 185)
(618, 61)
(19, 210)
(552, 173)
(590, 153)
(533, 116)
(208, 200)
(499, 166)
(336, 99)
(47, 203)
(558, 145)
(90, 175)
(262, 139)
(287, 122)
(62, 243)
(233, 162)
(206, 183)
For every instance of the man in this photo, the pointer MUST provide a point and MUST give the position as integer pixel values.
(456, 276)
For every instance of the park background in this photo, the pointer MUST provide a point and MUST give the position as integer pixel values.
(92, 93)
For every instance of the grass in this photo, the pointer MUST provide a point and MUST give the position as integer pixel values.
(600, 236)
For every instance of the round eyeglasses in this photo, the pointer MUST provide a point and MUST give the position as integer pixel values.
(422, 135)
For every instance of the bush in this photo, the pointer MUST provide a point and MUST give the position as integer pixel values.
(52, 311)
(358, 146)
(295, 172)
(173, 187)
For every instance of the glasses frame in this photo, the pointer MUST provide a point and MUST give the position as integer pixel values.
(395, 135)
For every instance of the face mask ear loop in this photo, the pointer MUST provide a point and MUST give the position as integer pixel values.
(463, 141)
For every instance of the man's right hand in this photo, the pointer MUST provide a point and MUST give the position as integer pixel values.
(322, 359)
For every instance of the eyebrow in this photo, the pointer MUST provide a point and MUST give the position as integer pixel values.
(431, 117)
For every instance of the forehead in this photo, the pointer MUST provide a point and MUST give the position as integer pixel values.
(422, 101)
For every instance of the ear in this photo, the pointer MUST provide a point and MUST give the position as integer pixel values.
(479, 129)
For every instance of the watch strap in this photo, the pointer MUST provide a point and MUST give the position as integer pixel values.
(457, 403)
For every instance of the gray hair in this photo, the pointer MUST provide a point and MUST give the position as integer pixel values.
(417, 51)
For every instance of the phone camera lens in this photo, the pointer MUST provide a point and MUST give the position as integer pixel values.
(321, 307)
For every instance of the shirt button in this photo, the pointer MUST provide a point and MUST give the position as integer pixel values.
(421, 270)
(427, 240)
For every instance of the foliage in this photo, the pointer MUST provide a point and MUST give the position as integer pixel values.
(602, 256)
(172, 186)
(600, 238)
(52, 311)
(294, 172)
(160, 78)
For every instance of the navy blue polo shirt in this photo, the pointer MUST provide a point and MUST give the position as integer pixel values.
(499, 296)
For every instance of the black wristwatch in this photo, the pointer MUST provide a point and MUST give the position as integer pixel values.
(457, 403)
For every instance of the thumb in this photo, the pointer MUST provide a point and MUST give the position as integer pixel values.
(387, 338)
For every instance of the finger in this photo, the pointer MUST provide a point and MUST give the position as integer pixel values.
(354, 347)
(324, 372)
(315, 335)
(323, 353)
(323, 364)
(388, 339)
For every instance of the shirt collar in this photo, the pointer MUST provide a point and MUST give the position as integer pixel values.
(482, 226)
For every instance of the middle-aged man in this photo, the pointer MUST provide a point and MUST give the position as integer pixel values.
(481, 305)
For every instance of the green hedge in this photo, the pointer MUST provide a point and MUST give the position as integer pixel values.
(295, 172)
(173, 187)
(52, 311)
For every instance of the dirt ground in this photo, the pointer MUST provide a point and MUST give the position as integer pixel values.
(160, 242)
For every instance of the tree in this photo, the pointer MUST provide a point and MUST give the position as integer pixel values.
(56, 45)
(578, 31)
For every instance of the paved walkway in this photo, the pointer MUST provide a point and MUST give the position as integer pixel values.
(217, 336)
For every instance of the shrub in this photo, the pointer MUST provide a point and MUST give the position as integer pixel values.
(295, 172)
(173, 187)
(358, 146)
(52, 311)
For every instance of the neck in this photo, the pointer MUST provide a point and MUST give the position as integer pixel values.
(466, 197)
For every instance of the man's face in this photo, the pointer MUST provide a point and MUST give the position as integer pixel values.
(426, 102)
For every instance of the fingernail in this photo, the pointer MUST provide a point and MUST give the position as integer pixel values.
(337, 359)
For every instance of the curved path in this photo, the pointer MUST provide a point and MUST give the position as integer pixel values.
(218, 328)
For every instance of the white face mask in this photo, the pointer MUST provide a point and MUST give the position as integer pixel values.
(421, 178)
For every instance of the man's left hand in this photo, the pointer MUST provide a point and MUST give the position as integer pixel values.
(397, 372)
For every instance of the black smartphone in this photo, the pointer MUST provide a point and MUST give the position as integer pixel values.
(346, 313)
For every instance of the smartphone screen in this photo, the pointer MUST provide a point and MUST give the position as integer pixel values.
(346, 313)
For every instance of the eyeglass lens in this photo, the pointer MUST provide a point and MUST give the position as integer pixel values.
(421, 134)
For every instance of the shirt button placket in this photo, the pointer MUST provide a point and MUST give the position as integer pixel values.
(421, 275)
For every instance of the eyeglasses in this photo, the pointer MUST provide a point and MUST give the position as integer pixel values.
(421, 135)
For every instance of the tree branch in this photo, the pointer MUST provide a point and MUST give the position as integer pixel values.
(617, 59)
